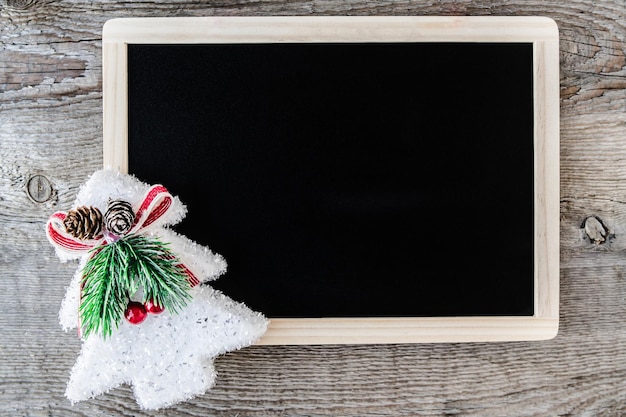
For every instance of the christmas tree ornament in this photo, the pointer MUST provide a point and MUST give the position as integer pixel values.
(140, 297)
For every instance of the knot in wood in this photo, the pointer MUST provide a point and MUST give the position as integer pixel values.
(595, 230)
(20, 5)
(39, 189)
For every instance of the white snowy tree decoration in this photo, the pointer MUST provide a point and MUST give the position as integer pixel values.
(167, 357)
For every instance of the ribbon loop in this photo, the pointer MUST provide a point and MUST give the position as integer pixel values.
(155, 205)
(55, 230)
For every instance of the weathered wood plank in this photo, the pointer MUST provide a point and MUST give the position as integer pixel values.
(50, 124)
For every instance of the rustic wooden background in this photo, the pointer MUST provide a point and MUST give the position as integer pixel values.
(50, 141)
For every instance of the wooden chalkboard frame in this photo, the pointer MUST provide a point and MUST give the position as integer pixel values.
(541, 32)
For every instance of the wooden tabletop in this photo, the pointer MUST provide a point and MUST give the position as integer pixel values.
(51, 141)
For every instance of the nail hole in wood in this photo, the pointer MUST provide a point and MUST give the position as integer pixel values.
(39, 189)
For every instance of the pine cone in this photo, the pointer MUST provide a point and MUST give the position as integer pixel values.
(84, 222)
(119, 217)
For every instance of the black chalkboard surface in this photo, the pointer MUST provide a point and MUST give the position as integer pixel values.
(348, 179)
(368, 180)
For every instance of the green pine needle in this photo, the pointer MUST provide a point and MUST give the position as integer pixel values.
(117, 270)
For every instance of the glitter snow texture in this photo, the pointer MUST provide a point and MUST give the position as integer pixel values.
(168, 358)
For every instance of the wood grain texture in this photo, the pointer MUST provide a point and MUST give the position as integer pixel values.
(51, 125)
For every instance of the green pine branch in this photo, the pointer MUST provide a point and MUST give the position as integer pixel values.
(117, 270)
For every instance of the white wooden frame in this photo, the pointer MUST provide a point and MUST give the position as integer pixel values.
(542, 32)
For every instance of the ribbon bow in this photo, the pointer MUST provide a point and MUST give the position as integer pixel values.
(155, 204)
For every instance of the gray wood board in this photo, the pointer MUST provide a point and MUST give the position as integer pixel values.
(51, 125)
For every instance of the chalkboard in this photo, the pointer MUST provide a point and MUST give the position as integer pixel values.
(350, 180)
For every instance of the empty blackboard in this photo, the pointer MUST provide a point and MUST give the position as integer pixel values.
(355, 179)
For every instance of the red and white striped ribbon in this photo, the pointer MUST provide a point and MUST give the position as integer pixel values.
(156, 203)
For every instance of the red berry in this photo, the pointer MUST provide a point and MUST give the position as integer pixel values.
(153, 308)
(135, 312)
